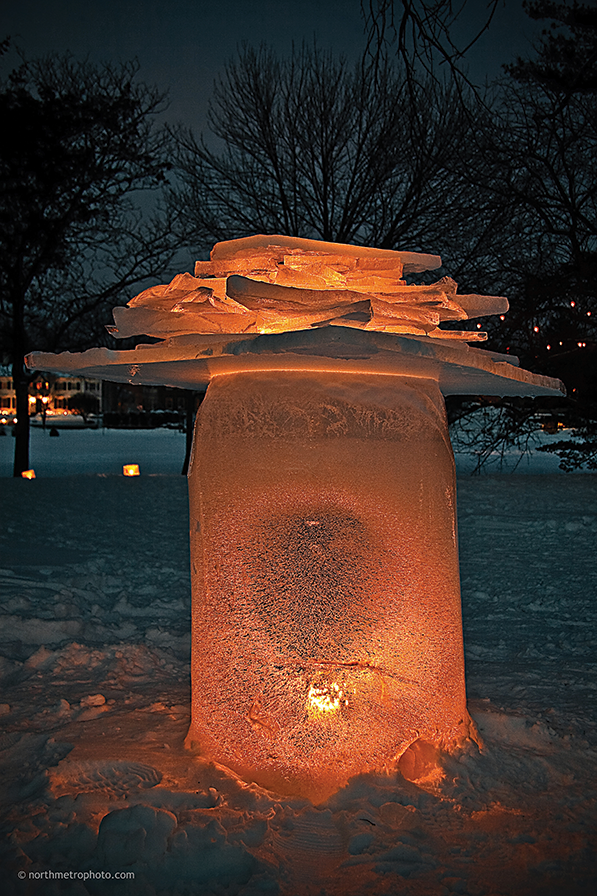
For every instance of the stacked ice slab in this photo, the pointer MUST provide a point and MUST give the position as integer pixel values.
(327, 635)
(276, 284)
(279, 302)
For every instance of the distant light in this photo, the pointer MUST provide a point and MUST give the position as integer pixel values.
(588, 313)
(548, 347)
(28, 474)
(572, 304)
(560, 343)
(502, 317)
(535, 329)
(130, 470)
(478, 326)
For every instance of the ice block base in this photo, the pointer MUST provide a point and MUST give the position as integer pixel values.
(327, 633)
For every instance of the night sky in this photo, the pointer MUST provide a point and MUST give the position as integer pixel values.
(182, 44)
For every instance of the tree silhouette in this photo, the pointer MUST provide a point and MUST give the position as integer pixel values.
(421, 33)
(311, 147)
(534, 157)
(77, 146)
(538, 160)
(566, 55)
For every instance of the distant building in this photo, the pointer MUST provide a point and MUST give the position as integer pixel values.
(47, 393)
(51, 395)
(8, 399)
(64, 388)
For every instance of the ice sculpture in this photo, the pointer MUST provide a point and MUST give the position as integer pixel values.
(327, 635)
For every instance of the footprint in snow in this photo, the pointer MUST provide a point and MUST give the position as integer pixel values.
(110, 778)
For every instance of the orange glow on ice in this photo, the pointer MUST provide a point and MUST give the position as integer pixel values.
(286, 284)
(327, 633)
(327, 636)
(323, 699)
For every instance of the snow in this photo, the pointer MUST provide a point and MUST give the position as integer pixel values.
(161, 451)
(83, 451)
(95, 703)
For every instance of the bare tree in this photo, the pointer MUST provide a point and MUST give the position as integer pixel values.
(312, 147)
(535, 158)
(566, 56)
(77, 146)
(421, 32)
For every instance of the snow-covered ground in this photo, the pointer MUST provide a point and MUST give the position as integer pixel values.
(80, 451)
(94, 663)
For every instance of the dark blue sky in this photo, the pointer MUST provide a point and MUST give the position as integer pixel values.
(182, 44)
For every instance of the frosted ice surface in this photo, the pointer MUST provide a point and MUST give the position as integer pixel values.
(326, 609)
(327, 637)
(336, 295)
(190, 361)
(413, 262)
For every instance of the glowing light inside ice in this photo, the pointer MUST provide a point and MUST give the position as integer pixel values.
(327, 635)
(325, 699)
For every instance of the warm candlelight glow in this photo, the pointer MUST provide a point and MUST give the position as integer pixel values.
(323, 699)
(326, 612)
(28, 474)
(327, 632)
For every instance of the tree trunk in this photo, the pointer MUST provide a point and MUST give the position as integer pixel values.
(193, 400)
(189, 421)
(21, 387)
(20, 377)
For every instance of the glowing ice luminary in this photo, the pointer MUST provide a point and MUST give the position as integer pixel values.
(327, 634)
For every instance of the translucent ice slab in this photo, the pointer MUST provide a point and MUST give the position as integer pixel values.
(191, 361)
(327, 638)
(327, 635)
